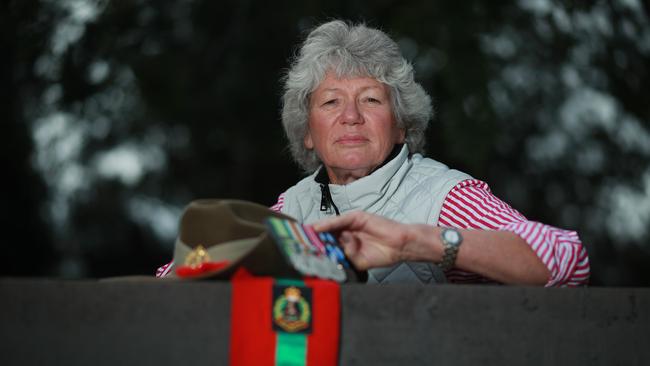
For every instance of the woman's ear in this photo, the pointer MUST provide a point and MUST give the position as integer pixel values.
(307, 141)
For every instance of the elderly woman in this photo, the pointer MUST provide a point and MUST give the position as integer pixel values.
(355, 119)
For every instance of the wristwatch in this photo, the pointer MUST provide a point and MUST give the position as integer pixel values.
(451, 240)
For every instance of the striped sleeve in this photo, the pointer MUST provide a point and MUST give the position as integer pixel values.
(278, 205)
(471, 205)
(164, 270)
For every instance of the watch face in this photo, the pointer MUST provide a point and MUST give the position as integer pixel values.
(452, 236)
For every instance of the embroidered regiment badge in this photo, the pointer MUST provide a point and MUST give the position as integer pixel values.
(292, 309)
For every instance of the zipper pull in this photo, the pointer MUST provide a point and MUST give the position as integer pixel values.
(324, 201)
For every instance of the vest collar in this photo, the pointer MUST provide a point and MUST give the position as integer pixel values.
(364, 192)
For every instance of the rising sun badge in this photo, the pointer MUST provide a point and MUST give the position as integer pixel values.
(292, 309)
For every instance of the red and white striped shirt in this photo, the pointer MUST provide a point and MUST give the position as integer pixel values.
(471, 205)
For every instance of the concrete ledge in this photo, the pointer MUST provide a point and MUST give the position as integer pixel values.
(151, 322)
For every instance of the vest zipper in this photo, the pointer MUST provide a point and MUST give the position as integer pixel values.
(326, 202)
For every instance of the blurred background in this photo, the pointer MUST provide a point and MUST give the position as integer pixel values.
(115, 114)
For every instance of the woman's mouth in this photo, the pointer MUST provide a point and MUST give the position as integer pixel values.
(351, 139)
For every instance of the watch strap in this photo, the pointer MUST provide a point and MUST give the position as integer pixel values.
(450, 250)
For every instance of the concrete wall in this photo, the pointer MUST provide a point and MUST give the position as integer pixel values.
(151, 322)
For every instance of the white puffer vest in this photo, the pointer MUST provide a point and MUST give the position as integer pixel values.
(406, 189)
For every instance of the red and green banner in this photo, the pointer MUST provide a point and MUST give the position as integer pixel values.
(284, 322)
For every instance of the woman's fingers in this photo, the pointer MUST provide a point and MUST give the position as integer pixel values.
(352, 246)
(337, 223)
(346, 239)
(368, 240)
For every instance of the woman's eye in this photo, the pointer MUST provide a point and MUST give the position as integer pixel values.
(373, 100)
(330, 102)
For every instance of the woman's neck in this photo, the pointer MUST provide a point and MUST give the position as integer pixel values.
(344, 176)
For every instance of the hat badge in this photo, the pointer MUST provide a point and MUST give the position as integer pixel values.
(198, 262)
(197, 257)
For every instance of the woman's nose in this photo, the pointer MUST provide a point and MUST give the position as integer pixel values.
(351, 114)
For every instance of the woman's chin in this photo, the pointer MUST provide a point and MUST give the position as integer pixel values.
(354, 163)
(349, 170)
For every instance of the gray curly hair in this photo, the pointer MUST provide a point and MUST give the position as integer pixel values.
(351, 51)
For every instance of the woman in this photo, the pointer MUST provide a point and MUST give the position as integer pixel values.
(355, 120)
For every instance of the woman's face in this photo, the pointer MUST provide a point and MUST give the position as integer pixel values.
(351, 126)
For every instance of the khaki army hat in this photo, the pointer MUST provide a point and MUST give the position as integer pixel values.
(218, 236)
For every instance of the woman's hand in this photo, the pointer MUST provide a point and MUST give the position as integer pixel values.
(370, 240)
(373, 241)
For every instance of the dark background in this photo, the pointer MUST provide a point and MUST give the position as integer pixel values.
(117, 113)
